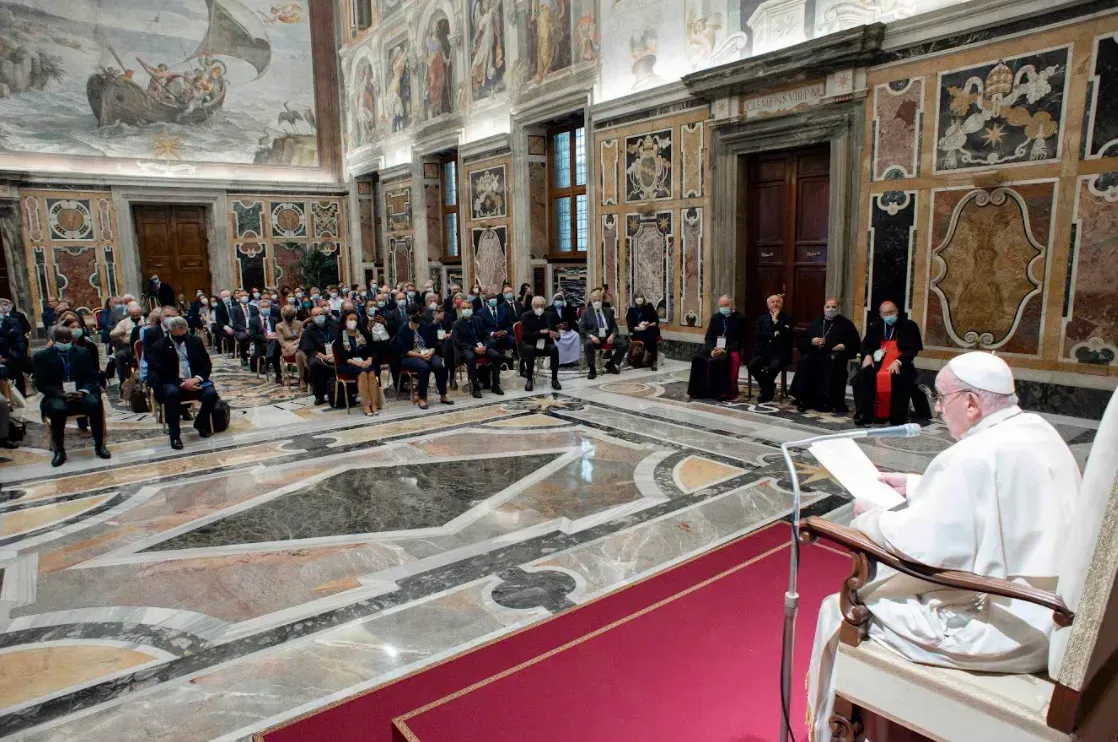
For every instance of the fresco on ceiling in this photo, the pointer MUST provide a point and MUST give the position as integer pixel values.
(222, 81)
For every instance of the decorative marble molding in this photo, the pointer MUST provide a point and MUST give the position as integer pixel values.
(966, 17)
(891, 248)
(1088, 331)
(898, 116)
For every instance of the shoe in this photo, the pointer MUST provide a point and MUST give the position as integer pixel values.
(498, 390)
(203, 432)
(862, 422)
(186, 414)
(279, 381)
(319, 400)
(611, 368)
(592, 375)
(654, 365)
(801, 408)
(842, 410)
(8, 444)
(423, 406)
(176, 443)
(102, 452)
(444, 400)
(765, 397)
(528, 387)
(556, 385)
(59, 458)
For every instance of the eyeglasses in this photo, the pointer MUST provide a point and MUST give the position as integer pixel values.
(938, 399)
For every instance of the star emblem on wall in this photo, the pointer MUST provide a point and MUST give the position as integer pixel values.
(167, 146)
(994, 135)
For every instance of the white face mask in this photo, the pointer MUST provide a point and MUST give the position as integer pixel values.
(597, 305)
(538, 311)
(205, 302)
(351, 324)
(640, 301)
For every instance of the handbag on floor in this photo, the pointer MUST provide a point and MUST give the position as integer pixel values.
(137, 400)
(220, 417)
(638, 358)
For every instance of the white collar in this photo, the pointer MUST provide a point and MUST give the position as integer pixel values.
(993, 419)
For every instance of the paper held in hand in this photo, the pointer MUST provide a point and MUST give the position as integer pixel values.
(848, 464)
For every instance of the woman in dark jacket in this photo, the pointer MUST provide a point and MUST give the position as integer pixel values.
(714, 372)
(644, 326)
(354, 359)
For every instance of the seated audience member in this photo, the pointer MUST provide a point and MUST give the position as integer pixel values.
(416, 344)
(13, 345)
(120, 337)
(103, 319)
(714, 372)
(471, 342)
(153, 326)
(644, 325)
(830, 341)
(398, 313)
(887, 380)
(49, 314)
(354, 356)
(288, 332)
(449, 303)
(508, 298)
(5, 408)
(243, 312)
(82, 339)
(539, 330)
(497, 319)
(265, 340)
(773, 349)
(223, 322)
(315, 343)
(599, 327)
(119, 310)
(335, 301)
(564, 319)
(69, 384)
(179, 371)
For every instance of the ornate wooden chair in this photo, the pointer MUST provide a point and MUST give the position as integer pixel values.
(1077, 699)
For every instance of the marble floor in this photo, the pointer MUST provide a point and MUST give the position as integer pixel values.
(307, 554)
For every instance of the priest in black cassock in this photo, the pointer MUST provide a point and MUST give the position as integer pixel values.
(829, 343)
(714, 372)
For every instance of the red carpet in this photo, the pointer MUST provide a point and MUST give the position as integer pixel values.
(703, 666)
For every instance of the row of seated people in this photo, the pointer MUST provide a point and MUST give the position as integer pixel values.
(884, 385)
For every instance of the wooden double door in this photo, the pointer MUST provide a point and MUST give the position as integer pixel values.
(173, 245)
(788, 196)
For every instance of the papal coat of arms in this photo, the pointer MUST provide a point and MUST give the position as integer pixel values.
(648, 166)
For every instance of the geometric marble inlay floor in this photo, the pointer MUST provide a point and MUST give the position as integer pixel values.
(308, 554)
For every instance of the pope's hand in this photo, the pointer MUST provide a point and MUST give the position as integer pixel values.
(862, 506)
(899, 482)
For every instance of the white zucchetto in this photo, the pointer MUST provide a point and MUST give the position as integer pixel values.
(983, 371)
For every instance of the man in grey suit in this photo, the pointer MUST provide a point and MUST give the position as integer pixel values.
(598, 328)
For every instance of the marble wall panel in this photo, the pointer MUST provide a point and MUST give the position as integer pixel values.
(397, 207)
(539, 280)
(537, 210)
(609, 174)
(289, 219)
(70, 219)
(649, 256)
(572, 281)
(77, 276)
(692, 160)
(432, 194)
(987, 266)
(490, 258)
(368, 230)
(248, 218)
(400, 259)
(1091, 307)
(1004, 112)
(691, 306)
(1101, 136)
(537, 145)
(898, 113)
(325, 218)
(287, 258)
(892, 240)
(648, 166)
(250, 264)
(112, 279)
(610, 240)
(282, 228)
(488, 194)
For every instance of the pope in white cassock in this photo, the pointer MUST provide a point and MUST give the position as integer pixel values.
(997, 504)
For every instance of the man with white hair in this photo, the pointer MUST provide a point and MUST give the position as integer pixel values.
(120, 339)
(996, 504)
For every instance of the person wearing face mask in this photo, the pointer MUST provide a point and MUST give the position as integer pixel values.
(13, 346)
(539, 331)
(67, 379)
(265, 341)
(830, 341)
(773, 347)
(335, 302)
(644, 327)
(180, 372)
(315, 342)
(714, 371)
(598, 327)
(83, 339)
(564, 317)
(103, 325)
(497, 319)
(508, 298)
(471, 343)
(886, 382)
(397, 312)
(356, 362)
(416, 344)
(289, 331)
(153, 333)
(159, 291)
(243, 312)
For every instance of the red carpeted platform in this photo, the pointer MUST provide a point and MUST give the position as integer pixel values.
(688, 654)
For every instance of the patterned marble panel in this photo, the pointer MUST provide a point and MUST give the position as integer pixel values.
(537, 210)
(32, 219)
(77, 276)
(368, 235)
(691, 151)
(288, 258)
(986, 271)
(33, 673)
(326, 218)
(106, 219)
(892, 241)
(1005, 112)
(649, 255)
(609, 174)
(537, 145)
(248, 219)
(397, 205)
(289, 219)
(29, 519)
(1091, 317)
(1102, 100)
(571, 280)
(250, 264)
(691, 307)
(431, 170)
(400, 259)
(70, 219)
(432, 195)
(539, 281)
(112, 286)
(610, 238)
(488, 195)
(490, 256)
(648, 166)
(898, 113)
(42, 280)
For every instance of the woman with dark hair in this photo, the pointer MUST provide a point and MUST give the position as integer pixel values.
(525, 295)
(104, 325)
(644, 326)
(353, 349)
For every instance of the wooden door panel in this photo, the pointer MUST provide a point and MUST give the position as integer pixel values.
(173, 245)
(769, 218)
(812, 210)
(808, 293)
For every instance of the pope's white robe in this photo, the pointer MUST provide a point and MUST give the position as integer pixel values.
(997, 503)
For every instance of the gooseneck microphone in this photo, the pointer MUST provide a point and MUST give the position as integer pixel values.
(792, 598)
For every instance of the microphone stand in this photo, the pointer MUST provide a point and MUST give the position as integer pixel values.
(792, 597)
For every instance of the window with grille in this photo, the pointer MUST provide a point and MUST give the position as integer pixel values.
(567, 190)
(451, 251)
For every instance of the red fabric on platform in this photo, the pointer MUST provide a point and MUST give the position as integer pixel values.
(368, 716)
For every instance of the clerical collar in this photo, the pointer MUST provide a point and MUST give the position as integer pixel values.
(993, 419)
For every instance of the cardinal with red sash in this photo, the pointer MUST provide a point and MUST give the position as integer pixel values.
(886, 382)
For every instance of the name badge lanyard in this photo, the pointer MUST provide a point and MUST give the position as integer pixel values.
(66, 363)
(887, 336)
(721, 343)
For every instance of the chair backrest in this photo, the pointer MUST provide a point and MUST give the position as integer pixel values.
(1089, 564)
(518, 332)
(138, 349)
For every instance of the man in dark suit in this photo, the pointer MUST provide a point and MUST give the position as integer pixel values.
(773, 349)
(598, 327)
(829, 343)
(68, 379)
(497, 319)
(265, 342)
(14, 345)
(417, 344)
(163, 293)
(223, 322)
(316, 342)
(714, 370)
(886, 382)
(540, 331)
(179, 371)
(397, 313)
(240, 316)
(508, 297)
(471, 342)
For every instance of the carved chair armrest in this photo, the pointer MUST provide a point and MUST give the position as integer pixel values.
(867, 554)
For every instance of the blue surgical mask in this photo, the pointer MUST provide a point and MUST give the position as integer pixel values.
(77, 333)
(830, 313)
(380, 304)
(560, 303)
(890, 320)
(467, 313)
(492, 302)
(62, 347)
(371, 311)
(320, 319)
(470, 297)
(508, 296)
(401, 303)
(725, 311)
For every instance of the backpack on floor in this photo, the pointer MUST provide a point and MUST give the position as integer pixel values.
(137, 399)
(638, 358)
(220, 418)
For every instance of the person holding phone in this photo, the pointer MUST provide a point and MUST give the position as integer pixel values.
(179, 371)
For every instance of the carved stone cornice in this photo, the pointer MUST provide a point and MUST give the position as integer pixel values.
(811, 60)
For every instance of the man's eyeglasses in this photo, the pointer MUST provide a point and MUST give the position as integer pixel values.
(937, 398)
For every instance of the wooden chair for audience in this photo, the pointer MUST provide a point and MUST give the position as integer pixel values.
(518, 333)
(1077, 699)
(749, 383)
(342, 380)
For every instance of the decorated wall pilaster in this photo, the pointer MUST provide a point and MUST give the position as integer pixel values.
(399, 228)
(485, 209)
